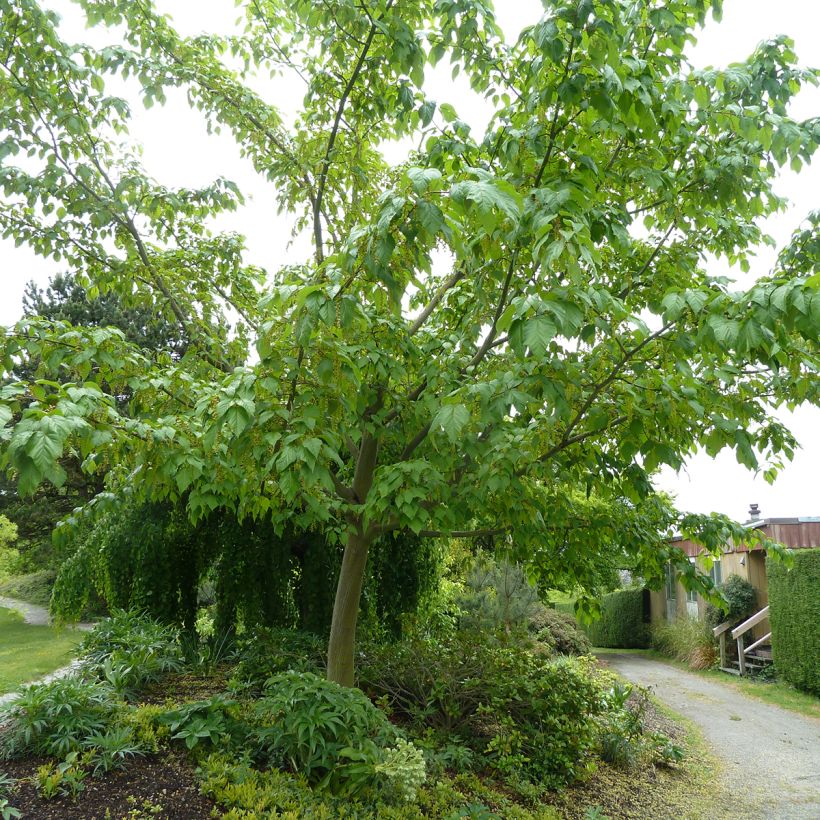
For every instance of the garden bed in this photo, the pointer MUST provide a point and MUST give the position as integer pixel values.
(163, 786)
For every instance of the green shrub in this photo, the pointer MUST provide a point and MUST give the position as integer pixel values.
(623, 621)
(264, 652)
(215, 722)
(521, 715)
(559, 631)
(624, 739)
(58, 717)
(130, 650)
(794, 612)
(334, 737)
(35, 587)
(688, 640)
(497, 597)
(741, 601)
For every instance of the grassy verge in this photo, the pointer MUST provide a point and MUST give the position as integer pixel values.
(28, 652)
(775, 692)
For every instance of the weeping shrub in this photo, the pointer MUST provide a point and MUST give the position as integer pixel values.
(149, 557)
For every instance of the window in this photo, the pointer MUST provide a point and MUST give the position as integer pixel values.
(671, 582)
(716, 573)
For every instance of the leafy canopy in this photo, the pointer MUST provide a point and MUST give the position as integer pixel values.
(497, 318)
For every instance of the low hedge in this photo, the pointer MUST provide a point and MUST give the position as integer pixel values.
(794, 613)
(624, 621)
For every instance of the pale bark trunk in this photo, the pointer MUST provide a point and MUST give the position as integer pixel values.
(346, 609)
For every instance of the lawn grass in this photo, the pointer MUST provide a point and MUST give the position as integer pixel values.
(28, 652)
(776, 692)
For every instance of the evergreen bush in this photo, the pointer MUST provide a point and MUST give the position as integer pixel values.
(623, 623)
(741, 601)
(794, 612)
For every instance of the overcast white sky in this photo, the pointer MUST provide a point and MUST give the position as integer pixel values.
(177, 151)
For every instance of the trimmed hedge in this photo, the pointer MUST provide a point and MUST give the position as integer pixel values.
(624, 621)
(794, 613)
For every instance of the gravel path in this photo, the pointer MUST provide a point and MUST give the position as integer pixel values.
(34, 614)
(771, 757)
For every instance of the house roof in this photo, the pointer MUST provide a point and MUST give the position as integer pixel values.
(794, 533)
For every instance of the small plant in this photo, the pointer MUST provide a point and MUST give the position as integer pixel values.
(66, 778)
(203, 721)
(112, 749)
(334, 736)
(149, 733)
(145, 810)
(130, 650)
(7, 811)
(55, 718)
(623, 739)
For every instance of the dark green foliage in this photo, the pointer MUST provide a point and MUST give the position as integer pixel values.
(253, 573)
(149, 556)
(794, 612)
(403, 569)
(213, 721)
(498, 597)
(333, 736)
(523, 716)
(315, 583)
(67, 300)
(741, 601)
(559, 631)
(623, 622)
(264, 652)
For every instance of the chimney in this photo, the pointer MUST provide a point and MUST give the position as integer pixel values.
(754, 512)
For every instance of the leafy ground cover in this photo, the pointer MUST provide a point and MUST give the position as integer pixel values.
(774, 691)
(154, 725)
(28, 652)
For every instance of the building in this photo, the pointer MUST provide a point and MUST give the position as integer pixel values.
(673, 601)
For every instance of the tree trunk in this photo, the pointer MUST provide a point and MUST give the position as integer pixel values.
(346, 609)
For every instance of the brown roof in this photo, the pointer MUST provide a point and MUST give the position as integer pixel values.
(795, 533)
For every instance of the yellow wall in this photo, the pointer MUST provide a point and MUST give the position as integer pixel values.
(753, 569)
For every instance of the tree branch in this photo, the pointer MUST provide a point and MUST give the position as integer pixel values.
(334, 131)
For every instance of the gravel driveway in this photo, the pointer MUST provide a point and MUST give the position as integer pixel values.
(771, 757)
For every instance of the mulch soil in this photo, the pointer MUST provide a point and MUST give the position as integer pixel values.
(168, 782)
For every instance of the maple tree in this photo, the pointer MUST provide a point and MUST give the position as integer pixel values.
(504, 334)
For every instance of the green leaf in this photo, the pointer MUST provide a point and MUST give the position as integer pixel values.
(452, 418)
(538, 332)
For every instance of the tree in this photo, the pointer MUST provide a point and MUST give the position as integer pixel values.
(66, 300)
(573, 338)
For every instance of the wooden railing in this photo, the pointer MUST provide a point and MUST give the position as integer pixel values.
(720, 632)
(739, 631)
